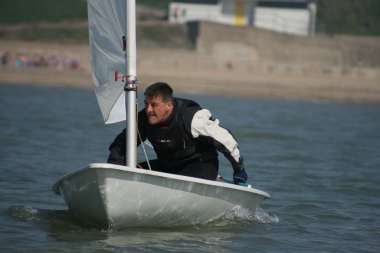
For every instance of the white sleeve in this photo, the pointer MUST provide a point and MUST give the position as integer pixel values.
(201, 125)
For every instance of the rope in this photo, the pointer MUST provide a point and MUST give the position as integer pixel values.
(139, 136)
(146, 156)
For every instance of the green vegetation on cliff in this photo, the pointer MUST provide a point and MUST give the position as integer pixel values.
(35, 11)
(20, 11)
(22, 19)
(355, 17)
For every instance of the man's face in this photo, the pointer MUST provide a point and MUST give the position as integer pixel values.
(157, 110)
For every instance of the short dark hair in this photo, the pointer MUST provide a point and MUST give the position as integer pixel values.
(160, 89)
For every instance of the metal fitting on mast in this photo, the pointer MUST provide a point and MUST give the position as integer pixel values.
(130, 83)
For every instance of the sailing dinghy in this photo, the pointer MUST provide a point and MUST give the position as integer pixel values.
(114, 196)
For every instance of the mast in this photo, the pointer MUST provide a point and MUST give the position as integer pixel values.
(130, 87)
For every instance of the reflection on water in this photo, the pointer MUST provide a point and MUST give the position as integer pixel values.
(236, 218)
(63, 226)
(60, 219)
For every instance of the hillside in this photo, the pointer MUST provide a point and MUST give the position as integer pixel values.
(355, 17)
(263, 68)
(66, 21)
(59, 25)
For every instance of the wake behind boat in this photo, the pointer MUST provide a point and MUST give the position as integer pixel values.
(114, 196)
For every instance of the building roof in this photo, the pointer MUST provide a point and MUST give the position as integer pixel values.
(284, 4)
(197, 1)
(262, 3)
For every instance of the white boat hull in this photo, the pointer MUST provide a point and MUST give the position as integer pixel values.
(114, 196)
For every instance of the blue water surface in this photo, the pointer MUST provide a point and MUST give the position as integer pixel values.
(319, 161)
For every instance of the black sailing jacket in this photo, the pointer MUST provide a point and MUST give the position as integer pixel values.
(189, 133)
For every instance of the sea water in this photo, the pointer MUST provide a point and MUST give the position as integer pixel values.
(319, 161)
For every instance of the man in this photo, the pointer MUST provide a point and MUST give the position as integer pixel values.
(184, 137)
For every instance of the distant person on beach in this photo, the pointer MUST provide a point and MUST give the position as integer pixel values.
(5, 58)
(21, 60)
(184, 136)
(53, 61)
(75, 64)
(175, 12)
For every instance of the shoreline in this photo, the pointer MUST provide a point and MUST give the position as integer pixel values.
(188, 72)
(217, 83)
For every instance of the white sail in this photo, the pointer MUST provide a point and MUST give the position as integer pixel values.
(107, 28)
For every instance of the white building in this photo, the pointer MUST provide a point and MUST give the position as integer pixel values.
(285, 16)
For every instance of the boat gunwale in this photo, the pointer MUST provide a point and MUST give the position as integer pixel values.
(109, 166)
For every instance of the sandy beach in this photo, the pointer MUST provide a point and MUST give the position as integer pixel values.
(188, 72)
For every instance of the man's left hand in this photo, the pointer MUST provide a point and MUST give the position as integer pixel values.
(240, 177)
